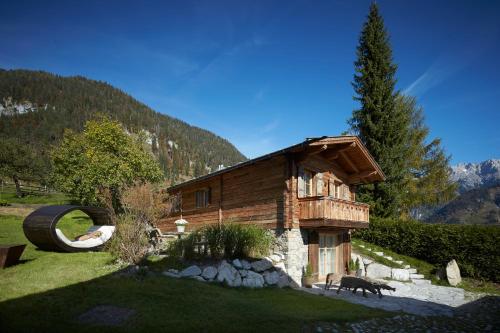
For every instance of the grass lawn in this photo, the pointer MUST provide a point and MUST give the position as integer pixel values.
(48, 291)
(9, 195)
(422, 267)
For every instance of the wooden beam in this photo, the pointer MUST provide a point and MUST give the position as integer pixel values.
(348, 160)
(350, 146)
(361, 175)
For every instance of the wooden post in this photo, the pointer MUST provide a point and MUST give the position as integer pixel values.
(220, 199)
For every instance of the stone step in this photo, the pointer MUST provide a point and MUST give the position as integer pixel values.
(379, 253)
(399, 262)
(407, 267)
(421, 282)
(412, 270)
(388, 258)
(416, 276)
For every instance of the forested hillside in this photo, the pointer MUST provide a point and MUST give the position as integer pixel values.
(37, 107)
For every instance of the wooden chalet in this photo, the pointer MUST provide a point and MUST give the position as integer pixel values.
(308, 188)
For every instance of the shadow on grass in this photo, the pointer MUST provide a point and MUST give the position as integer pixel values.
(160, 303)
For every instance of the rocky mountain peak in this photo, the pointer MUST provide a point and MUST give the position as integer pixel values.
(476, 175)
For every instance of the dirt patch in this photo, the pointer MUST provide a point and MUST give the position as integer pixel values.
(18, 211)
(107, 315)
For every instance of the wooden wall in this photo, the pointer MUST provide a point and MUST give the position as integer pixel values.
(250, 194)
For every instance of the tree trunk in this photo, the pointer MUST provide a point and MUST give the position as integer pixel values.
(19, 193)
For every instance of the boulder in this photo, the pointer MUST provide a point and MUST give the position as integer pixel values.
(253, 280)
(271, 278)
(199, 278)
(453, 273)
(191, 271)
(378, 271)
(209, 272)
(245, 264)
(283, 281)
(237, 264)
(400, 274)
(280, 267)
(275, 258)
(170, 274)
(281, 255)
(243, 272)
(262, 265)
(228, 274)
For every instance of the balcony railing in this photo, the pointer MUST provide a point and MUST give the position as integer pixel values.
(328, 208)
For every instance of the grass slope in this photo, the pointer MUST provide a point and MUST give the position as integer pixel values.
(48, 291)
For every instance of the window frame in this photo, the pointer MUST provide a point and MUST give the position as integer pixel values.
(202, 198)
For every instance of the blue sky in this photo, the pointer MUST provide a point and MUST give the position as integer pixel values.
(267, 74)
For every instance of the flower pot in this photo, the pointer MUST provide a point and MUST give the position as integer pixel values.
(307, 281)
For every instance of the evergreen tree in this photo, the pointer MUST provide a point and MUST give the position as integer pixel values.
(428, 180)
(379, 124)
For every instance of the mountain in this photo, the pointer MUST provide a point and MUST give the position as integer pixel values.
(476, 175)
(478, 201)
(37, 107)
(476, 206)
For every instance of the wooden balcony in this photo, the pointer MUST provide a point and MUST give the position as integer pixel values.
(327, 211)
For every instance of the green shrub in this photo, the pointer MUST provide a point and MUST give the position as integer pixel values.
(476, 248)
(227, 240)
(4, 203)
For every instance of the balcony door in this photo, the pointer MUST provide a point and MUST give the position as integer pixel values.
(327, 259)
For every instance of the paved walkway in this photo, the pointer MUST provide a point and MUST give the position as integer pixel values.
(422, 300)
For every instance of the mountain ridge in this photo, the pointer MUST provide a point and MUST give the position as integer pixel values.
(37, 106)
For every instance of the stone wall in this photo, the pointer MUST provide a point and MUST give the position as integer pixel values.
(293, 244)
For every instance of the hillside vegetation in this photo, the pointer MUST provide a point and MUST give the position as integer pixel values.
(36, 107)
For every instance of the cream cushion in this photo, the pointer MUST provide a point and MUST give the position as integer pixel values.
(106, 233)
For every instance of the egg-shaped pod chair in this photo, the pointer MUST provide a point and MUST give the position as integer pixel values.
(40, 227)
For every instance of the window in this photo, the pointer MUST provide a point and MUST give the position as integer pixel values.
(308, 177)
(202, 198)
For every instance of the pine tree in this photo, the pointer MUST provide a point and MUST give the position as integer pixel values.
(379, 124)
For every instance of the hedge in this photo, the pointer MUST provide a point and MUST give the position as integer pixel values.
(475, 248)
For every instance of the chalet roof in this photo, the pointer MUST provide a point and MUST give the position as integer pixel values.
(348, 151)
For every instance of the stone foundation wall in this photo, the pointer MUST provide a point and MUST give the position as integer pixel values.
(293, 244)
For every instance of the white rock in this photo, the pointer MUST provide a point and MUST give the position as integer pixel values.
(378, 271)
(174, 271)
(367, 261)
(407, 267)
(416, 276)
(243, 272)
(412, 270)
(453, 273)
(209, 272)
(275, 258)
(253, 280)
(388, 258)
(237, 263)
(245, 264)
(262, 265)
(170, 274)
(281, 255)
(271, 278)
(199, 278)
(379, 253)
(399, 262)
(191, 271)
(280, 267)
(361, 245)
(228, 274)
(400, 274)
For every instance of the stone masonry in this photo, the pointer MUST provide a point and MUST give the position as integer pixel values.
(293, 243)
